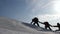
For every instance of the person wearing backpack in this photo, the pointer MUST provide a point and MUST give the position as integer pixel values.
(35, 21)
(47, 25)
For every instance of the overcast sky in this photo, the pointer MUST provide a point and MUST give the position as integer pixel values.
(25, 10)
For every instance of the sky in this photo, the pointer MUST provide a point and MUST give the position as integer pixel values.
(25, 10)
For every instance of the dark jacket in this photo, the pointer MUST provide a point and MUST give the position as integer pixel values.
(35, 20)
(46, 24)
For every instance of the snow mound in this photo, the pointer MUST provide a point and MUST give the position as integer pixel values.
(11, 26)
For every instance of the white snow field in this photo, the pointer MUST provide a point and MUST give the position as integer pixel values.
(11, 26)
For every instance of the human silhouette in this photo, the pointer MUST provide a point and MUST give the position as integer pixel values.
(35, 21)
(58, 25)
(47, 25)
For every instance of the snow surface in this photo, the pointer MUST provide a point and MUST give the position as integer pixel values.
(11, 26)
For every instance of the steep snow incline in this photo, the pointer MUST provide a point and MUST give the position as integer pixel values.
(10, 26)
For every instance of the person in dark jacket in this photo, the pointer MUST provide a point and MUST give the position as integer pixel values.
(47, 25)
(58, 25)
(35, 21)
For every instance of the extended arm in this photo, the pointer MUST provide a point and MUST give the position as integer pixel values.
(41, 22)
(50, 25)
(55, 26)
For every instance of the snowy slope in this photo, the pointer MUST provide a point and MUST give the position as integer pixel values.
(11, 26)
